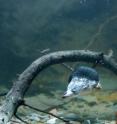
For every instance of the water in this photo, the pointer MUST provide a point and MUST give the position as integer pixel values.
(29, 27)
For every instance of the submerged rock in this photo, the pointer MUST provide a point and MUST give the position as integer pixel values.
(87, 122)
(51, 121)
(33, 117)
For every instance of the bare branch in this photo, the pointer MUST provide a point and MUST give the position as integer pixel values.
(21, 119)
(45, 51)
(39, 110)
(67, 66)
(21, 85)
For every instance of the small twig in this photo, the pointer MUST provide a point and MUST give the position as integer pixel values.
(67, 66)
(39, 110)
(45, 51)
(20, 119)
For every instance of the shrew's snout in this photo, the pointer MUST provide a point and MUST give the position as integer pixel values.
(67, 94)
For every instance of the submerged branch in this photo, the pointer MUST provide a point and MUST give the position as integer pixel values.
(67, 66)
(22, 84)
(39, 110)
(21, 119)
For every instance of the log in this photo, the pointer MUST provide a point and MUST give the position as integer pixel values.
(15, 96)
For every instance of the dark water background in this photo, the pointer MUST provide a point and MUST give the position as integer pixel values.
(29, 26)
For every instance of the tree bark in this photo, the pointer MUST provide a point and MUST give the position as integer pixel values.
(21, 85)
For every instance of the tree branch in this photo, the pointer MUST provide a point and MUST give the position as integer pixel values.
(21, 85)
(67, 66)
(21, 119)
(39, 110)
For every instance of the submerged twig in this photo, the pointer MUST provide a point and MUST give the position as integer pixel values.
(20, 119)
(22, 84)
(39, 110)
(45, 51)
(99, 31)
(67, 66)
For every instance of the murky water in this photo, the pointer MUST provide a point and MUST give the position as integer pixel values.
(29, 27)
